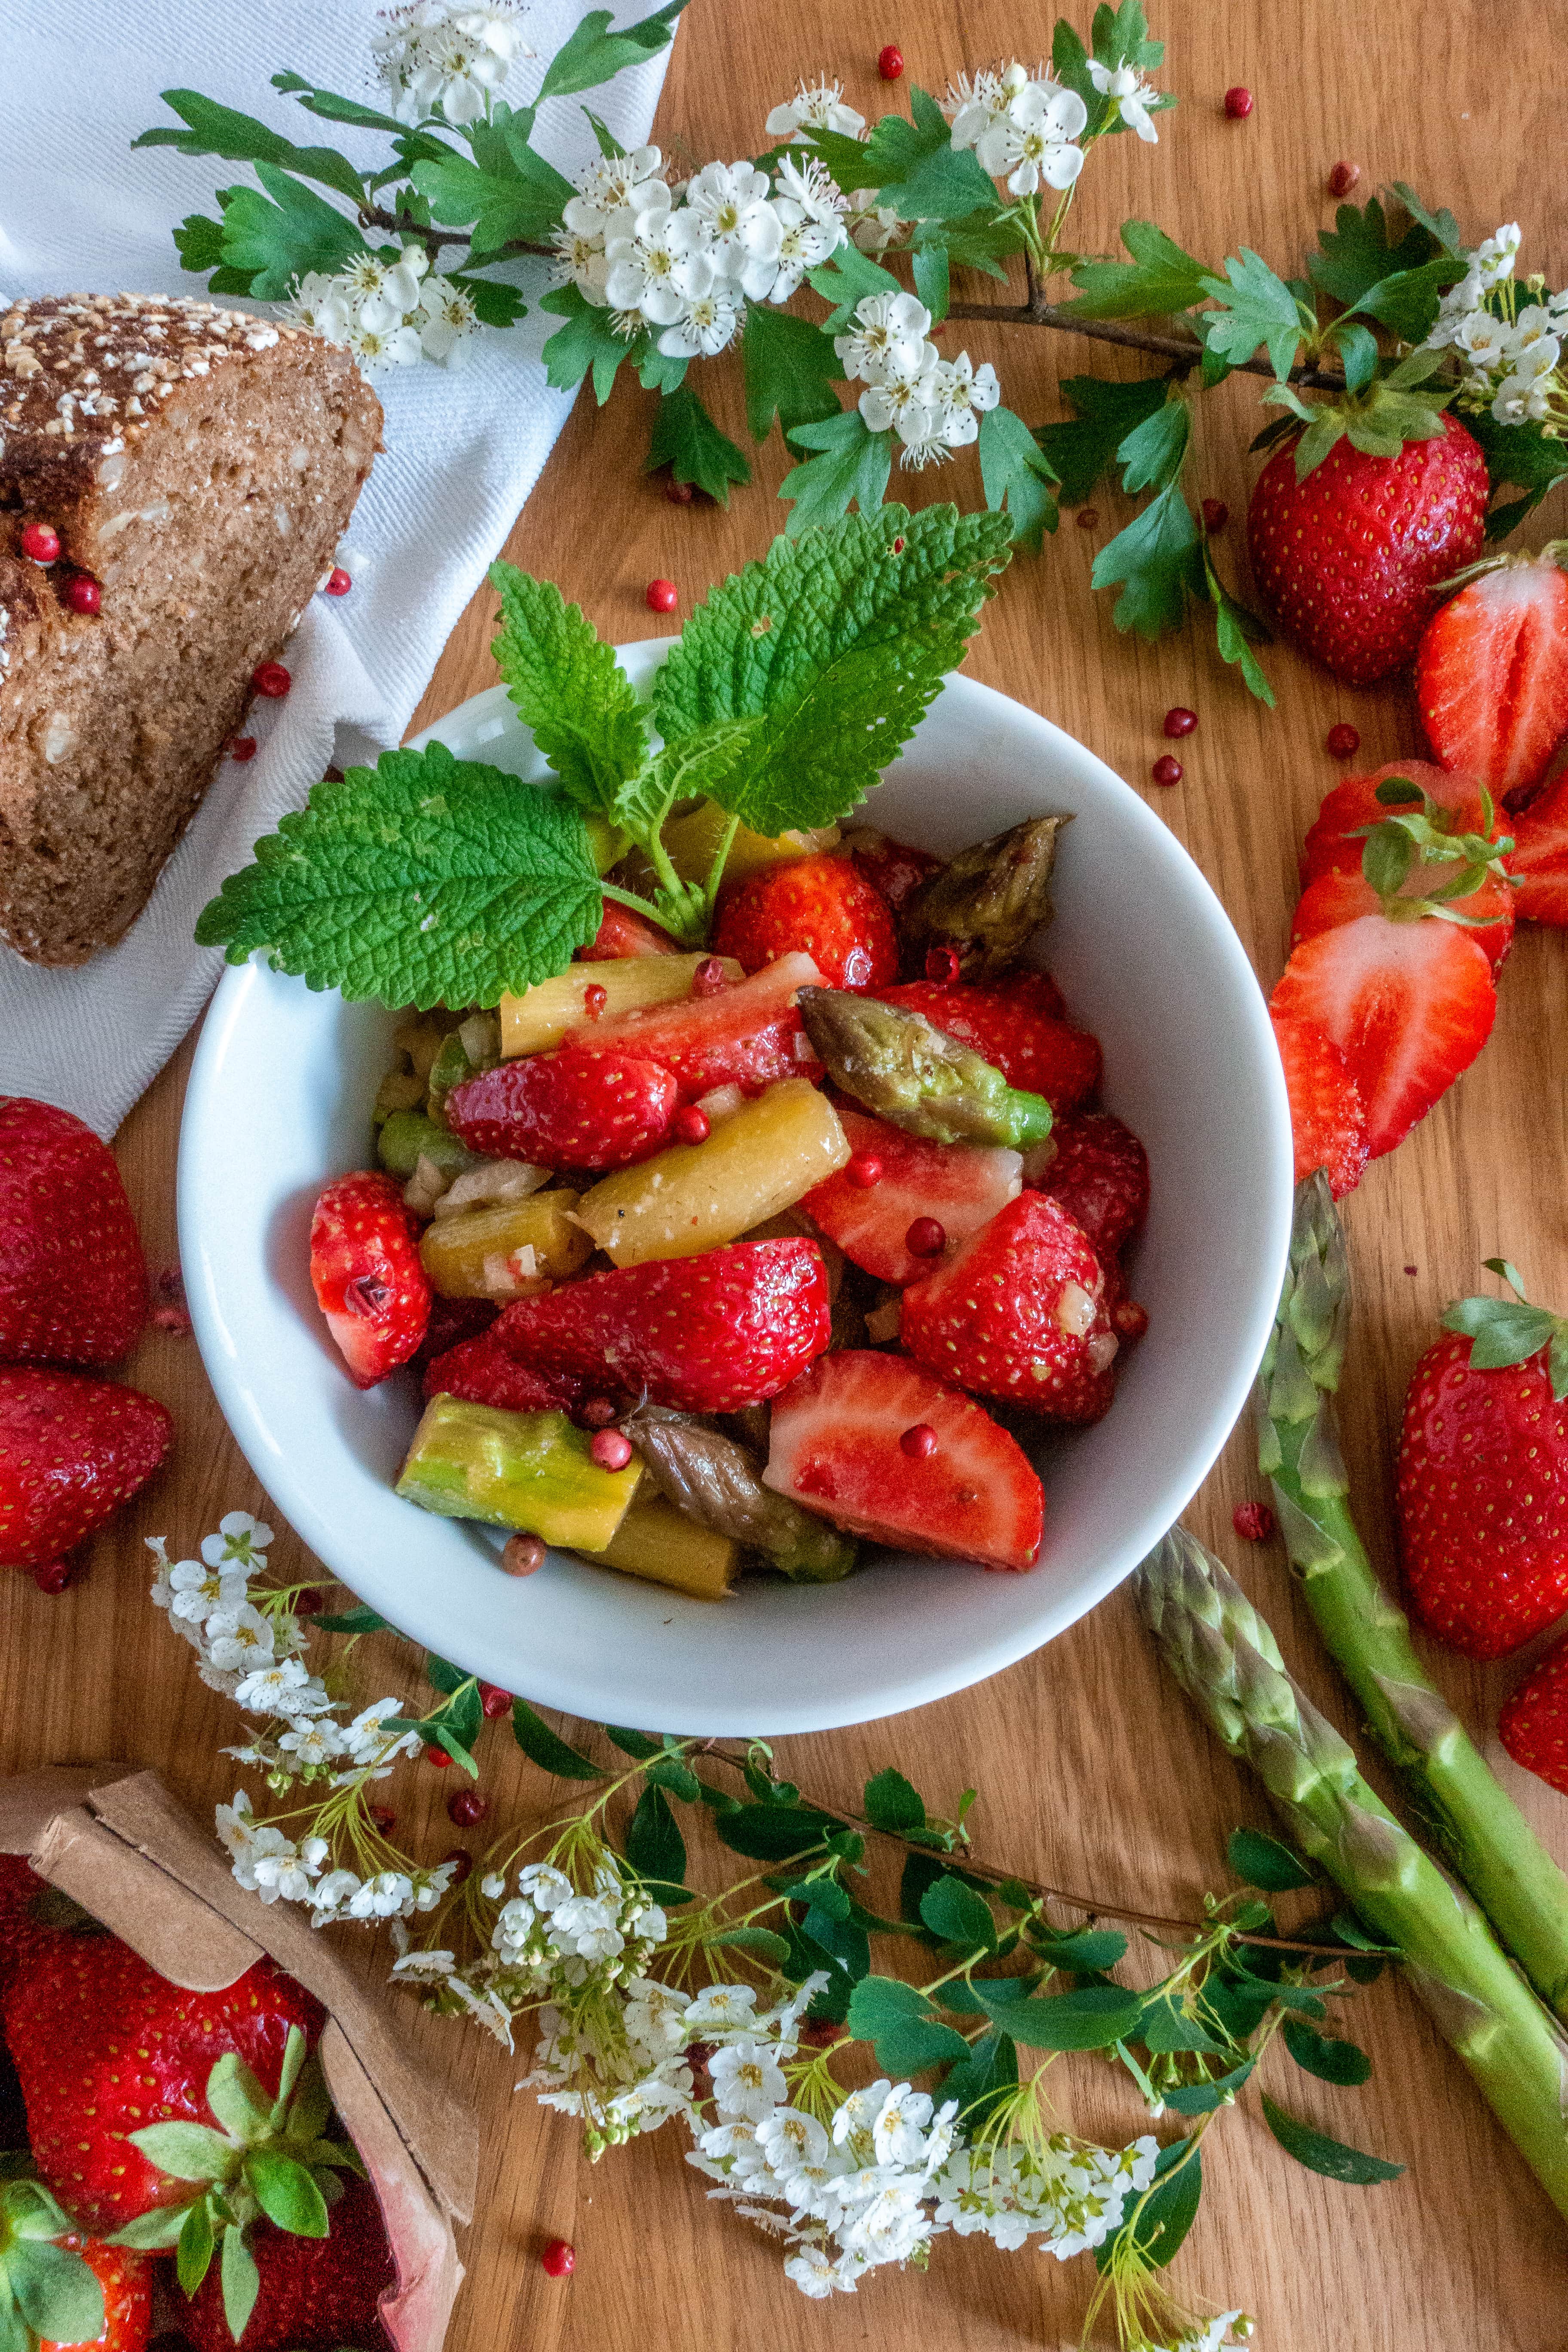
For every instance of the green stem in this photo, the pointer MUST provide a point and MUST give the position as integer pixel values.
(720, 859)
(1226, 1660)
(1491, 1846)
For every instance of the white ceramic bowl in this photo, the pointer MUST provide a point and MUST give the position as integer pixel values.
(279, 1100)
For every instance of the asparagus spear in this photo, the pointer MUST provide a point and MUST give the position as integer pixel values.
(716, 1482)
(1485, 1837)
(989, 899)
(916, 1075)
(1225, 1659)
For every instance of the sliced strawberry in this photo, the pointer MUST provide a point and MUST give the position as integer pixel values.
(365, 1271)
(1409, 1005)
(1491, 675)
(1032, 1048)
(72, 1449)
(891, 868)
(569, 1108)
(623, 933)
(480, 1371)
(961, 1185)
(1533, 1724)
(1019, 1312)
(1100, 1175)
(835, 1446)
(1340, 897)
(1328, 1119)
(1539, 860)
(73, 1283)
(1335, 843)
(745, 1035)
(706, 1334)
(823, 906)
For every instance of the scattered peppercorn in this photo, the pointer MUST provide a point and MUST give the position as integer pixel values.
(1238, 102)
(270, 679)
(242, 748)
(494, 1700)
(1253, 1521)
(436, 1756)
(1217, 514)
(1166, 771)
(680, 494)
(1342, 740)
(691, 1125)
(558, 2260)
(927, 1237)
(83, 595)
(522, 1555)
(467, 1808)
(890, 62)
(919, 1441)
(863, 1171)
(1179, 721)
(1088, 518)
(1342, 179)
(40, 542)
(662, 596)
(611, 1449)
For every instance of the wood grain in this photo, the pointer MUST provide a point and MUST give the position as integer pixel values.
(1092, 1773)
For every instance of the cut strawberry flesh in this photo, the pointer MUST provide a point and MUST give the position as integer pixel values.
(1409, 1005)
(835, 1446)
(960, 1185)
(1010, 1028)
(623, 933)
(1342, 898)
(480, 1371)
(746, 1035)
(1328, 1119)
(366, 1275)
(1335, 844)
(1491, 676)
(1538, 859)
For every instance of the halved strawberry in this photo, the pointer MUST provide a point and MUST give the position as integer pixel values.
(1339, 897)
(961, 1185)
(568, 1108)
(1335, 843)
(1538, 859)
(823, 906)
(366, 1275)
(1007, 1024)
(480, 1371)
(623, 933)
(747, 1034)
(1328, 1117)
(72, 1449)
(1491, 675)
(1410, 1005)
(835, 1446)
(1100, 1175)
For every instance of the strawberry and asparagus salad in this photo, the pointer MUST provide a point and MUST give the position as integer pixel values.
(743, 1196)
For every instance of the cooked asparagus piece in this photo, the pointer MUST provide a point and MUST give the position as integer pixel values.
(718, 1482)
(989, 900)
(661, 1544)
(1226, 1660)
(530, 1471)
(924, 1081)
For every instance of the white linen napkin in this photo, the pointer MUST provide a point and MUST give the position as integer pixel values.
(80, 213)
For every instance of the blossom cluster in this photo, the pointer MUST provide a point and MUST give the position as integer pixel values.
(443, 61)
(933, 404)
(1510, 352)
(389, 313)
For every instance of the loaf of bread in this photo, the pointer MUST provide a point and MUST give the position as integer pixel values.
(199, 466)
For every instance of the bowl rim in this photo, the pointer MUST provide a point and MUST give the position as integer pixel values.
(573, 1691)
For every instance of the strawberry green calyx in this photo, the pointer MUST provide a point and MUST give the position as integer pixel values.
(1505, 1331)
(917, 1077)
(1417, 837)
(46, 2290)
(262, 2157)
(1377, 417)
(1489, 1841)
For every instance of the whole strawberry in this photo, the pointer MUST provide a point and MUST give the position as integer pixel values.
(1533, 1724)
(823, 906)
(1483, 1475)
(313, 2292)
(73, 1282)
(72, 1449)
(568, 1108)
(366, 1275)
(1349, 554)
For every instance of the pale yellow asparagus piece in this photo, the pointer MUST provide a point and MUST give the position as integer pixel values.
(543, 1015)
(506, 1253)
(657, 1541)
(692, 842)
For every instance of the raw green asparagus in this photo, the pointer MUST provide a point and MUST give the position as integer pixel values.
(1226, 1660)
(916, 1075)
(1487, 1838)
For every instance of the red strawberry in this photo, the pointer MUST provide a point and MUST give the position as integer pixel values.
(365, 1271)
(1350, 558)
(1539, 860)
(20, 1887)
(746, 1034)
(961, 1185)
(1533, 1724)
(105, 2046)
(1328, 1119)
(1491, 675)
(706, 1334)
(1482, 1491)
(836, 1445)
(823, 906)
(1019, 1312)
(623, 933)
(72, 1449)
(73, 1282)
(1336, 843)
(452, 1320)
(893, 868)
(1100, 1175)
(480, 1371)
(1410, 1005)
(126, 2280)
(1030, 1047)
(314, 2292)
(1334, 900)
(566, 1109)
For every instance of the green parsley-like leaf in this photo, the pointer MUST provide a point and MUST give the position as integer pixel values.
(1237, 631)
(1318, 2153)
(525, 199)
(566, 686)
(278, 241)
(1256, 307)
(547, 1749)
(1361, 250)
(918, 168)
(239, 139)
(978, 240)
(1260, 1860)
(595, 54)
(685, 439)
(851, 471)
(1161, 2218)
(424, 880)
(1157, 562)
(846, 279)
(897, 2020)
(1082, 450)
(841, 638)
(1018, 476)
(1120, 37)
(790, 369)
(1329, 2056)
(1439, 224)
(198, 241)
(587, 342)
(1162, 278)
(1152, 454)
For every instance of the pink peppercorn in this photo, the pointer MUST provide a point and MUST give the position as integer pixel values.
(926, 1237)
(1179, 721)
(1238, 102)
(611, 1449)
(662, 595)
(1166, 771)
(1342, 740)
(919, 1441)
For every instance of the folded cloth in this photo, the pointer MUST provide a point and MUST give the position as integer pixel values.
(80, 213)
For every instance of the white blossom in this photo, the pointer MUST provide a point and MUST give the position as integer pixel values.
(239, 1638)
(746, 2079)
(367, 1736)
(1494, 256)
(659, 266)
(1033, 142)
(313, 1739)
(976, 101)
(240, 1539)
(581, 261)
(706, 324)
(615, 183)
(1533, 348)
(739, 227)
(446, 322)
(888, 333)
(721, 2009)
(456, 58)
(196, 1590)
(816, 106)
(1131, 92)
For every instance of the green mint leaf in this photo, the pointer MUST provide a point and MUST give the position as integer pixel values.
(892, 1804)
(1152, 454)
(1407, 301)
(55, 2291)
(957, 1915)
(1161, 278)
(791, 368)
(654, 1845)
(982, 239)
(1157, 562)
(1091, 2019)
(852, 470)
(839, 639)
(847, 279)
(187, 2151)
(241, 2282)
(1152, 2234)
(698, 764)
(274, 243)
(1501, 1333)
(1361, 250)
(1321, 2154)
(1082, 451)
(595, 54)
(905, 2033)
(238, 2100)
(1237, 631)
(1260, 1860)
(920, 170)
(567, 688)
(1256, 307)
(1018, 476)
(1439, 224)
(1327, 2055)
(587, 343)
(193, 2247)
(425, 880)
(685, 439)
(239, 139)
(522, 199)
(547, 1749)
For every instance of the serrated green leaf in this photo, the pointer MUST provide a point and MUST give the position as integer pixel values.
(654, 1845)
(1361, 250)
(568, 689)
(930, 269)
(847, 277)
(519, 198)
(1255, 306)
(275, 241)
(1158, 2223)
(958, 1915)
(425, 880)
(57, 2292)
(1318, 2153)
(1439, 224)
(594, 53)
(547, 1749)
(891, 1803)
(1081, 452)
(685, 439)
(1153, 453)
(214, 129)
(982, 239)
(1407, 301)
(586, 343)
(918, 170)
(187, 2151)
(1260, 1860)
(906, 2033)
(496, 304)
(791, 368)
(1521, 454)
(840, 639)
(1327, 2055)
(286, 2193)
(1018, 476)
(331, 108)
(1237, 631)
(1157, 562)
(199, 244)
(698, 764)
(851, 469)
(240, 2279)
(1161, 279)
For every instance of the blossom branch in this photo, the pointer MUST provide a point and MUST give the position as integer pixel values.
(1185, 349)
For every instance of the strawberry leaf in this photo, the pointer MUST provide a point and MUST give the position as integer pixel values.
(193, 2251)
(55, 2291)
(241, 2280)
(1501, 1332)
(237, 2099)
(285, 2192)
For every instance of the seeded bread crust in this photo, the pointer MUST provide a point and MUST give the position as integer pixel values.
(200, 465)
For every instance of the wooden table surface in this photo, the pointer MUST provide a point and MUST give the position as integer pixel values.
(1091, 1770)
